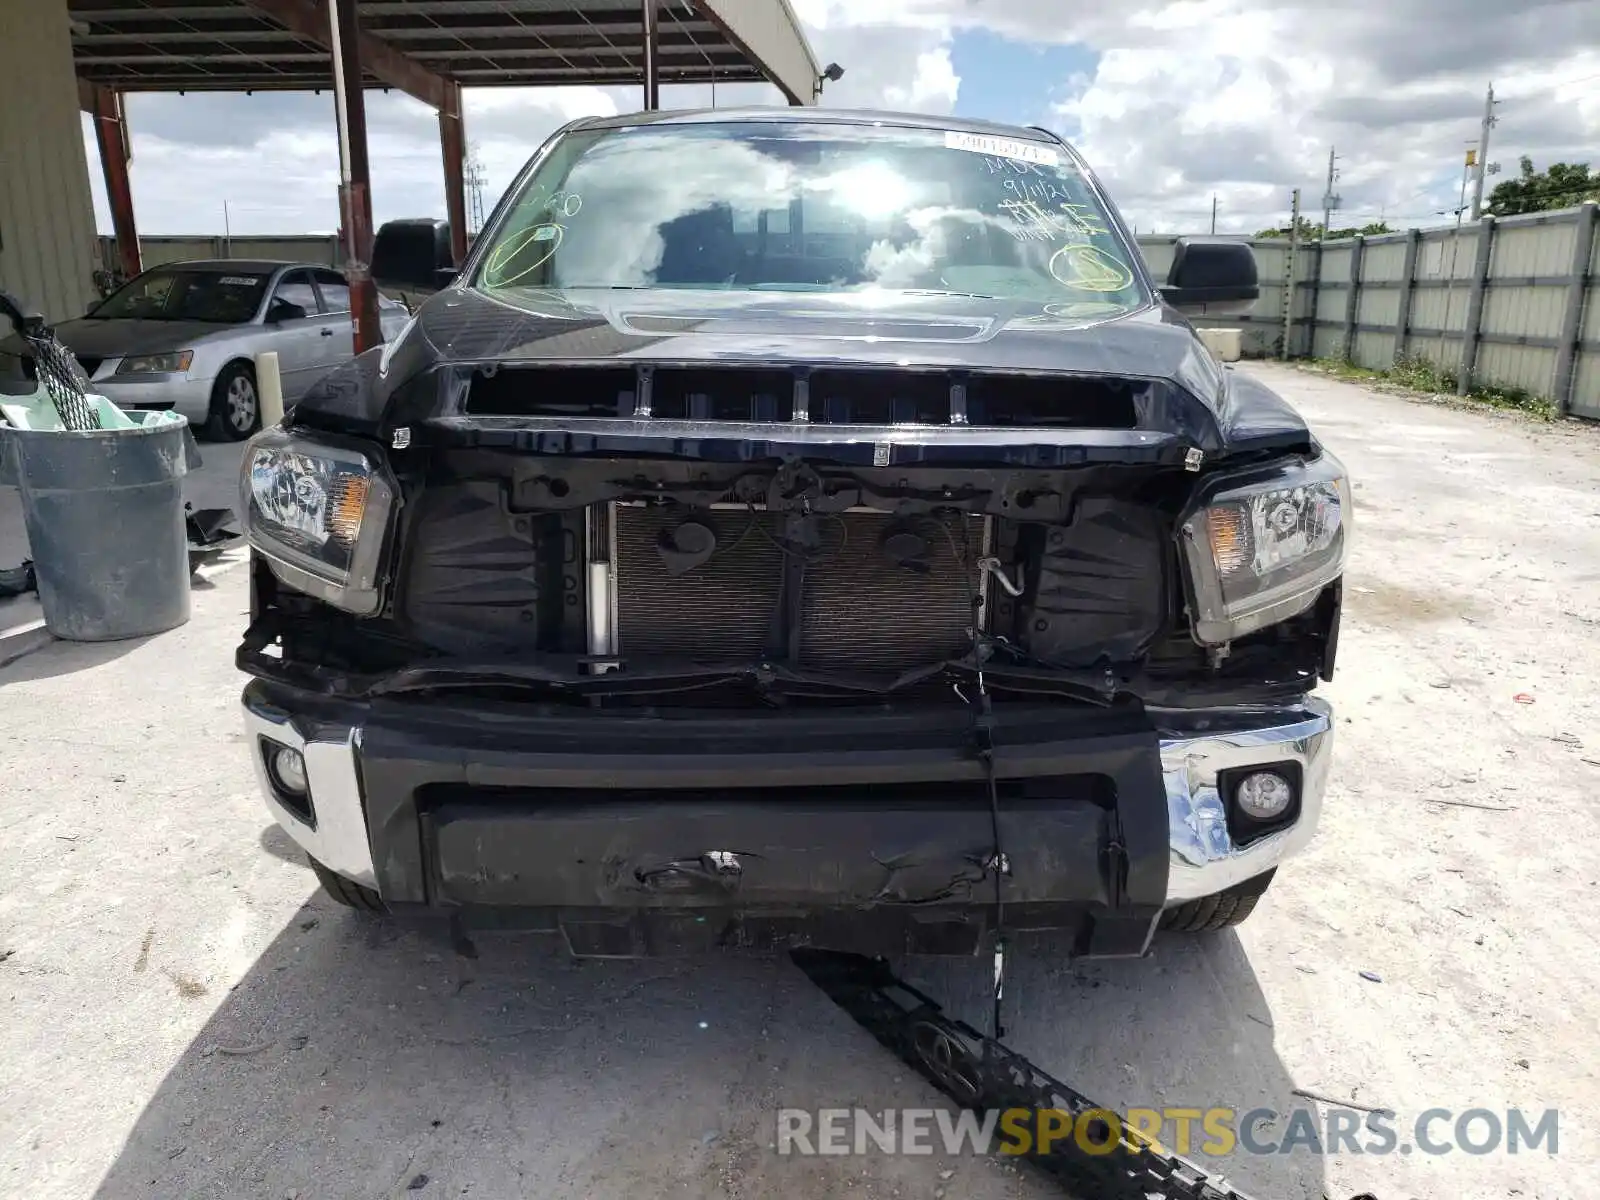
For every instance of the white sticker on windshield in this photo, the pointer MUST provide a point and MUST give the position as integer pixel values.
(240, 280)
(999, 147)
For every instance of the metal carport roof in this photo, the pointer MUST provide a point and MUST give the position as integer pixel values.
(198, 45)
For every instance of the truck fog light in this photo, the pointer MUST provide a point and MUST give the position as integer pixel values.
(1263, 795)
(289, 769)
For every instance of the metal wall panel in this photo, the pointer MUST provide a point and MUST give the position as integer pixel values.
(1524, 311)
(47, 238)
(1522, 249)
(1586, 396)
(1440, 308)
(1378, 305)
(1374, 350)
(1336, 257)
(1331, 303)
(1445, 254)
(1383, 262)
(1591, 306)
(1527, 367)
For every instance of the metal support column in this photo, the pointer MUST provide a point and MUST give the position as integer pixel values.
(652, 80)
(1588, 217)
(1352, 307)
(111, 131)
(453, 145)
(1408, 291)
(1480, 280)
(355, 186)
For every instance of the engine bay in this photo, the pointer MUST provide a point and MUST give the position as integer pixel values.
(626, 581)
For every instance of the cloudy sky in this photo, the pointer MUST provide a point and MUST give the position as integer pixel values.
(1173, 101)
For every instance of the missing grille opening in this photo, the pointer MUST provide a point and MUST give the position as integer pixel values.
(879, 398)
(722, 395)
(553, 392)
(1051, 402)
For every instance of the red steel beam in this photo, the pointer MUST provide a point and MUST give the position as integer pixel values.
(453, 146)
(308, 19)
(111, 131)
(355, 189)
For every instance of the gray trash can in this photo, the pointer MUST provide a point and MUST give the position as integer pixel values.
(104, 511)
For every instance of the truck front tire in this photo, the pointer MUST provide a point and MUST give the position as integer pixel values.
(1225, 909)
(346, 892)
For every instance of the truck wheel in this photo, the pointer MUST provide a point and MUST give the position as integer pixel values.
(1220, 911)
(343, 891)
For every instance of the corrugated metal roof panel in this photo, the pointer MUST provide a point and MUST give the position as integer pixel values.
(173, 45)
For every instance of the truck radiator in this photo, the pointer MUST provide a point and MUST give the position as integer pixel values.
(880, 594)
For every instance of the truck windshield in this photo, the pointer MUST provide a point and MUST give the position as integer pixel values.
(792, 206)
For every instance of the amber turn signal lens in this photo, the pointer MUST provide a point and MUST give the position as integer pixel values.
(1230, 538)
(346, 506)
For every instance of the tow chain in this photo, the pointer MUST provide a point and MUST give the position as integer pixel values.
(979, 1073)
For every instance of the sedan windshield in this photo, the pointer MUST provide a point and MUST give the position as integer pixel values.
(221, 297)
(790, 206)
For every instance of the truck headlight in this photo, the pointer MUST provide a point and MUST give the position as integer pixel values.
(1260, 547)
(156, 364)
(319, 513)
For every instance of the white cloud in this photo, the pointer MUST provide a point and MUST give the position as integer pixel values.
(932, 89)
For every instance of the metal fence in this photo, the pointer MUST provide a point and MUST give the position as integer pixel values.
(1512, 303)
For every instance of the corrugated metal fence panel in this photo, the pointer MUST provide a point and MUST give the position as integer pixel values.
(47, 250)
(1373, 350)
(1336, 259)
(1263, 328)
(1586, 370)
(1383, 261)
(1523, 248)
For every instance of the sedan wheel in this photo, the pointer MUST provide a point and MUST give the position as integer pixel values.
(242, 404)
(235, 405)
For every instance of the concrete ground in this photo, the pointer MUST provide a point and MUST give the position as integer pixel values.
(185, 1015)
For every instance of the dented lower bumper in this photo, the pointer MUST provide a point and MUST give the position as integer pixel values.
(861, 830)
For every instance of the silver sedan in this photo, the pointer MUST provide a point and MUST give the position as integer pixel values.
(184, 337)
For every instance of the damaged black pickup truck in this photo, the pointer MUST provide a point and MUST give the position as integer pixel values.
(796, 527)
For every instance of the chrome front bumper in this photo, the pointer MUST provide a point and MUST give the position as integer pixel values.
(1204, 859)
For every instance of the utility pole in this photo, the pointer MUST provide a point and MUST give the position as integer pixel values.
(1213, 212)
(1330, 199)
(1288, 275)
(476, 182)
(1489, 120)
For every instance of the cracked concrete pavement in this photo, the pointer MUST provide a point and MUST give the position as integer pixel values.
(184, 1013)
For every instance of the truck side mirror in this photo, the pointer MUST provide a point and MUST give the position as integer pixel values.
(1211, 277)
(413, 255)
